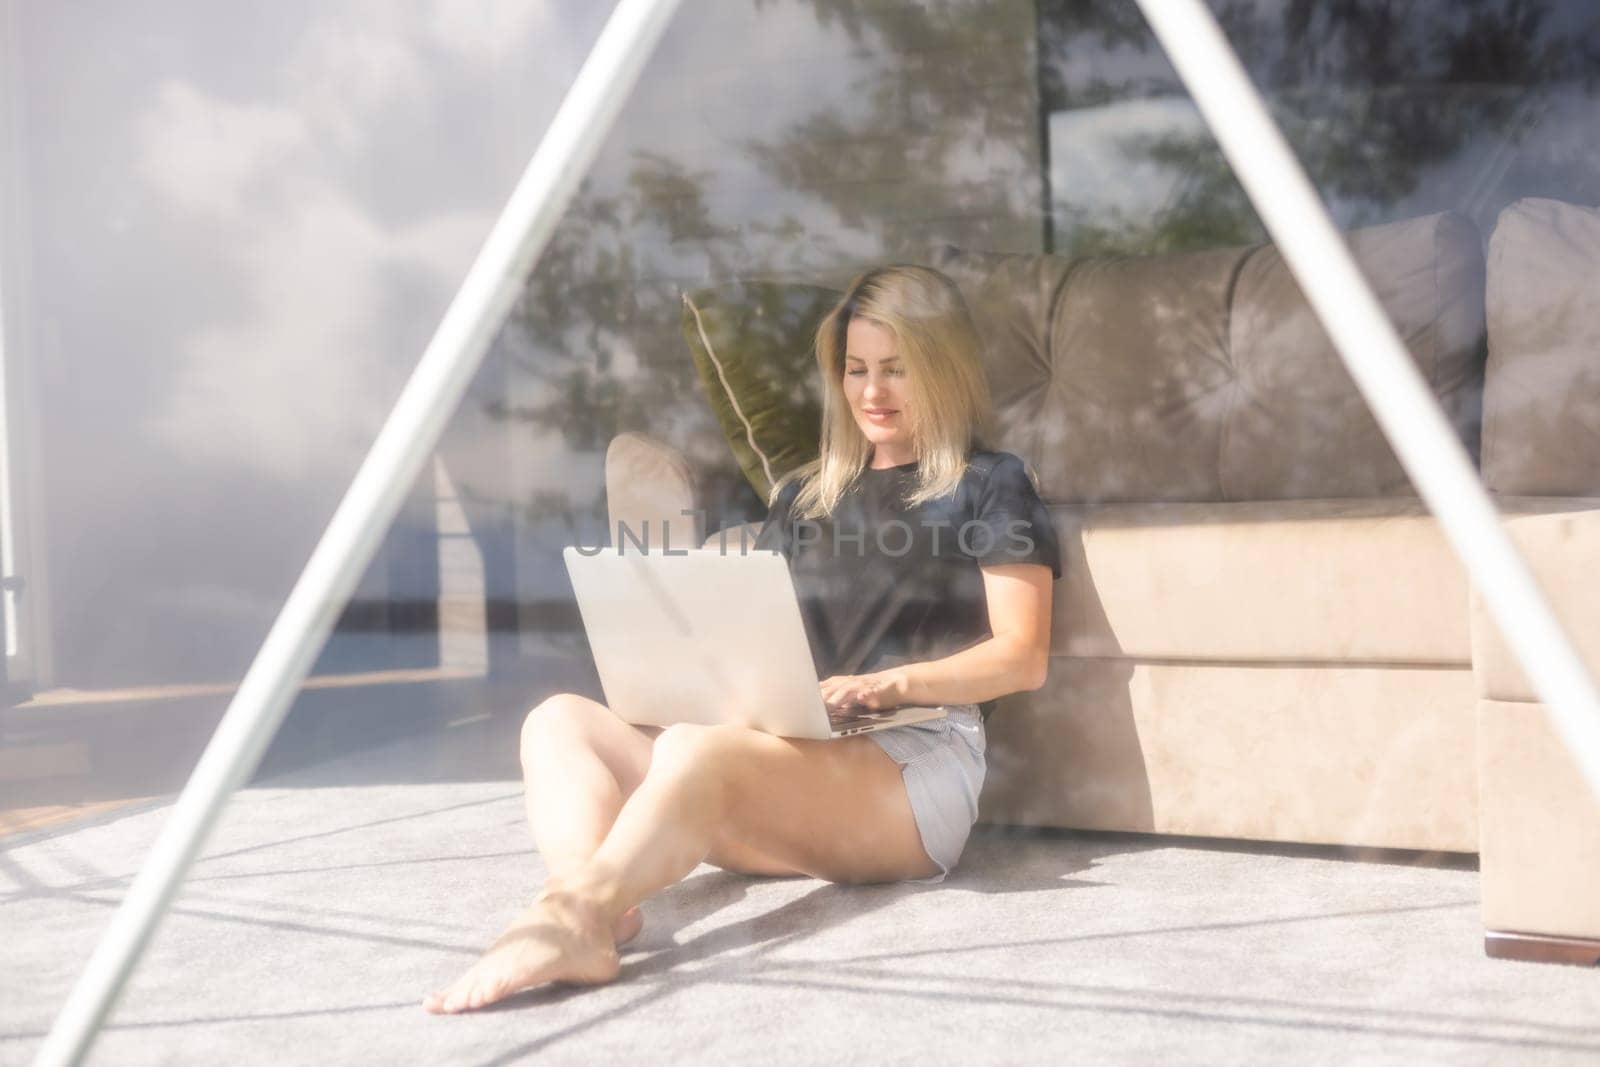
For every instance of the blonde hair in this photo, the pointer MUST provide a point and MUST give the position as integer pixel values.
(951, 410)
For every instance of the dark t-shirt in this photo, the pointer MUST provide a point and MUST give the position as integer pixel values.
(880, 585)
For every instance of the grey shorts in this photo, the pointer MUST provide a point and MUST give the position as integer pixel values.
(942, 761)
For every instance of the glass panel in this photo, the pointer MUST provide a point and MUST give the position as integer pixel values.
(228, 234)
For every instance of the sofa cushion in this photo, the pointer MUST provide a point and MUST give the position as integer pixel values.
(1329, 581)
(1541, 406)
(1300, 427)
(1205, 376)
(1109, 375)
(649, 490)
(752, 346)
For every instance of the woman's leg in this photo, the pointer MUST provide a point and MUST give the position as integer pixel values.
(580, 762)
(835, 810)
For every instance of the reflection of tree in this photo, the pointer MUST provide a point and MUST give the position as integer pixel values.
(1070, 29)
(598, 349)
(595, 352)
(1370, 93)
(586, 292)
(951, 127)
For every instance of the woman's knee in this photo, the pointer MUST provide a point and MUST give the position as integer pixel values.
(558, 719)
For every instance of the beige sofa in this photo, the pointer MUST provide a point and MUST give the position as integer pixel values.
(1260, 633)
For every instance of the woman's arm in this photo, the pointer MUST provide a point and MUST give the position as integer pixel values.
(1014, 659)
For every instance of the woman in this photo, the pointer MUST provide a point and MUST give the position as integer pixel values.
(923, 564)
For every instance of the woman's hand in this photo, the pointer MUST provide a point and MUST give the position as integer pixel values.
(882, 689)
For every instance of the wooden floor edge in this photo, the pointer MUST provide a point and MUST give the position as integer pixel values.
(20, 826)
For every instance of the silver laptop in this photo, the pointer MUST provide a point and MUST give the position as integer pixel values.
(707, 636)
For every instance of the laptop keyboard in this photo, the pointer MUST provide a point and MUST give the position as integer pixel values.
(858, 716)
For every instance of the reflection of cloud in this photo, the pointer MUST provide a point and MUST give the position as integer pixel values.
(362, 56)
(493, 29)
(317, 277)
(343, 71)
(208, 156)
(1098, 158)
(314, 262)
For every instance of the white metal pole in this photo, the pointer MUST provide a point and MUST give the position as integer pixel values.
(8, 552)
(1377, 359)
(404, 444)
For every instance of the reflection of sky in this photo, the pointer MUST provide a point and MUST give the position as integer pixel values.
(1097, 161)
(244, 225)
(329, 217)
(295, 199)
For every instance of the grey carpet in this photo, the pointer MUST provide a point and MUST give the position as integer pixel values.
(331, 899)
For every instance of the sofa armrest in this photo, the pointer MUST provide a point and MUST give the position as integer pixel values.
(1559, 537)
(652, 498)
(1538, 822)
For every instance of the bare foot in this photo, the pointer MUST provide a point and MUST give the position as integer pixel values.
(628, 925)
(559, 938)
